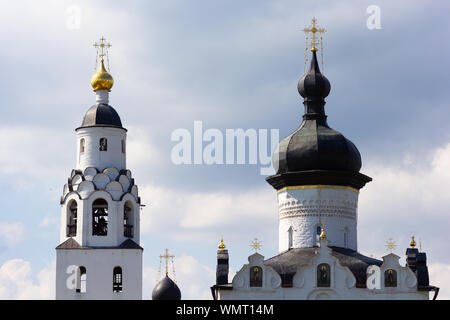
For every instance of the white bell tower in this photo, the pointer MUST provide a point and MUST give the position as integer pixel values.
(99, 256)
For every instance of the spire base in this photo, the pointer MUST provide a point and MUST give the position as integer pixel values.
(102, 96)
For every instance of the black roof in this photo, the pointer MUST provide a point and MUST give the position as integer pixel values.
(314, 145)
(166, 289)
(287, 262)
(101, 115)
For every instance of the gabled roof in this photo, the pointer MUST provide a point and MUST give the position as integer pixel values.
(73, 244)
(130, 244)
(69, 244)
(286, 263)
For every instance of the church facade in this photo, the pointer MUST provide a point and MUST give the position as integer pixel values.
(99, 256)
(317, 182)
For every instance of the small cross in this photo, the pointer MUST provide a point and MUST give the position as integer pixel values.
(390, 244)
(314, 29)
(166, 256)
(256, 245)
(102, 45)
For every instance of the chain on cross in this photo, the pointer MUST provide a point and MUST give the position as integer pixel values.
(166, 257)
(390, 245)
(103, 47)
(316, 39)
(256, 245)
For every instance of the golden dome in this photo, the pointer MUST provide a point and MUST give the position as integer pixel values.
(221, 245)
(322, 234)
(102, 80)
(412, 243)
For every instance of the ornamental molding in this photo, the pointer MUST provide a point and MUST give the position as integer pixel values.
(116, 183)
(299, 213)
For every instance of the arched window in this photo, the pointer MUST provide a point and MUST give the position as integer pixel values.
(117, 279)
(256, 275)
(323, 275)
(390, 278)
(128, 220)
(81, 280)
(82, 142)
(100, 217)
(290, 237)
(72, 219)
(123, 146)
(103, 144)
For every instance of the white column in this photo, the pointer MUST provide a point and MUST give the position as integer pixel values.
(305, 207)
(102, 96)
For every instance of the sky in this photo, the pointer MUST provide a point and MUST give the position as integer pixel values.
(230, 65)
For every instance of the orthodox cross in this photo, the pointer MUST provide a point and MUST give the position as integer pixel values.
(315, 32)
(390, 244)
(166, 256)
(256, 245)
(103, 47)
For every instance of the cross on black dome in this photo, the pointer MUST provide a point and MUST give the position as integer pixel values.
(315, 153)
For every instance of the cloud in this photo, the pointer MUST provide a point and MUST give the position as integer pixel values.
(193, 278)
(18, 281)
(12, 232)
(407, 198)
(140, 149)
(440, 277)
(195, 215)
(33, 153)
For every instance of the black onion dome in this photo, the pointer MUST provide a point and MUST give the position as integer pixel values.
(101, 114)
(314, 83)
(166, 289)
(317, 147)
(315, 150)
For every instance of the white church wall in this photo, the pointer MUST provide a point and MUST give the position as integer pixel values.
(116, 198)
(342, 282)
(305, 207)
(92, 156)
(99, 264)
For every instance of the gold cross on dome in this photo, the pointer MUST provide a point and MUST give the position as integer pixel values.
(103, 46)
(166, 256)
(256, 245)
(313, 30)
(390, 244)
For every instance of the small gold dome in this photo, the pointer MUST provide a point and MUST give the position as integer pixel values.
(322, 234)
(221, 245)
(412, 243)
(102, 80)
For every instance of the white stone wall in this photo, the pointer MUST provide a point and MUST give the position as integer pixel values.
(304, 208)
(116, 190)
(342, 284)
(92, 156)
(99, 264)
(115, 235)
